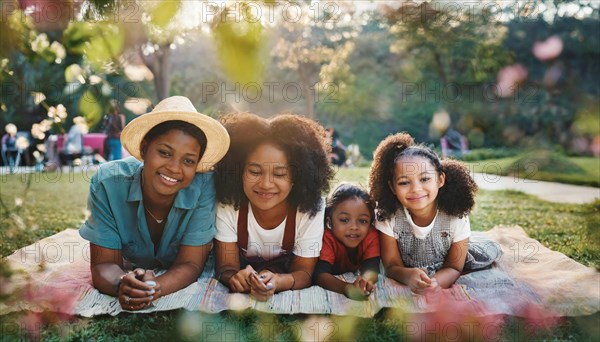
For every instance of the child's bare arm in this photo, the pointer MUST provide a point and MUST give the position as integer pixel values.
(392, 261)
(454, 264)
(415, 278)
(326, 280)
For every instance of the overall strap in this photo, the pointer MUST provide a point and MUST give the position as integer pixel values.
(242, 227)
(289, 234)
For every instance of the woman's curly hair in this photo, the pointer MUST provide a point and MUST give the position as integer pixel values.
(456, 197)
(304, 143)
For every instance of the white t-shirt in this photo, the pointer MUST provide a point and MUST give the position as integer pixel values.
(461, 227)
(267, 243)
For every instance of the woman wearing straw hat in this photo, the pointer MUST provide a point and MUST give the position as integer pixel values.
(157, 208)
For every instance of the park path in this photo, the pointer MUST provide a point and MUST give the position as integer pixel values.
(549, 191)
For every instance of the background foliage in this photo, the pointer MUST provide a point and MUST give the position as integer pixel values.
(365, 68)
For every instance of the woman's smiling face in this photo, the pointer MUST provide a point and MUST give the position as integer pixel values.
(267, 178)
(170, 162)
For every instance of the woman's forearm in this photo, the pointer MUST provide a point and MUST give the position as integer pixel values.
(106, 278)
(178, 277)
(300, 280)
(226, 274)
(286, 281)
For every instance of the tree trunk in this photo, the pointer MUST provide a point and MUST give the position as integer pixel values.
(159, 64)
(163, 79)
(308, 93)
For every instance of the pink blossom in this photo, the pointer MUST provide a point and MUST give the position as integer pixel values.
(509, 78)
(548, 49)
(32, 322)
(51, 304)
(539, 317)
(454, 319)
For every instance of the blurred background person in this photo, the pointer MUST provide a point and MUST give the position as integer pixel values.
(114, 122)
(9, 146)
(338, 150)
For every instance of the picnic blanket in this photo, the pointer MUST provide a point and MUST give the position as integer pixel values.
(56, 273)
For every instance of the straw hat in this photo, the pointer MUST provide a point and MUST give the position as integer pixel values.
(178, 108)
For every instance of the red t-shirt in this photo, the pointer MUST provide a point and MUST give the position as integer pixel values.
(334, 252)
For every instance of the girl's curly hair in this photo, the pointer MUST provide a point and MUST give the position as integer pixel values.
(382, 172)
(456, 197)
(304, 143)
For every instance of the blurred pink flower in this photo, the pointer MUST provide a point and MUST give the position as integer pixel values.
(454, 319)
(508, 79)
(52, 305)
(538, 317)
(548, 49)
(32, 323)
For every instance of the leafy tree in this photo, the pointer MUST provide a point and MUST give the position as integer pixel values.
(456, 51)
(316, 45)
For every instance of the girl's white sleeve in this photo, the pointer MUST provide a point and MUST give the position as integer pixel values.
(387, 227)
(226, 223)
(309, 233)
(461, 227)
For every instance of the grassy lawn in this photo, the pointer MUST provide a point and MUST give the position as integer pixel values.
(54, 203)
(589, 174)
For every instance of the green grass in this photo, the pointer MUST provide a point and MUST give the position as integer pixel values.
(582, 170)
(53, 206)
(52, 202)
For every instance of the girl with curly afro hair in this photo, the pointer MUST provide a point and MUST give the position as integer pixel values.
(423, 205)
(270, 218)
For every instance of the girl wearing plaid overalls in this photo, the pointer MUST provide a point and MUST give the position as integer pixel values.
(423, 205)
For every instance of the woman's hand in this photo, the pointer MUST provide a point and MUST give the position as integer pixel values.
(150, 280)
(240, 282)
(134, 293)
(263, 285)
(418, 280)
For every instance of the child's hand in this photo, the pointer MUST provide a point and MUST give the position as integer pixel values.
(370, 287)
(240, 282)
(371, 278)
(359, 290)
(263, 285)
(434, 287)
(418, 280)
(434, 284)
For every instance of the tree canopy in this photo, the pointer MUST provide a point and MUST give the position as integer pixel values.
(503, 74)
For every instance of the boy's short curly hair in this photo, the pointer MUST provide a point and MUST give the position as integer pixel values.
(456, 197)
(304, 143)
